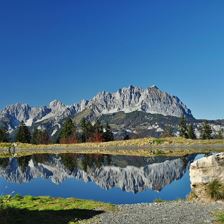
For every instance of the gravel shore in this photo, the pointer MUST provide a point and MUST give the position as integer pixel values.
(177, 212)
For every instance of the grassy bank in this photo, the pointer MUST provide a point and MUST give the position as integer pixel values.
(46, 210)
(138, 147)
(220, 218)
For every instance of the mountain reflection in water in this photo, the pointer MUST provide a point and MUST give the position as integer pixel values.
(129, 173)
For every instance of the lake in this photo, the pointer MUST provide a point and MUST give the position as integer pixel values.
(107, 178)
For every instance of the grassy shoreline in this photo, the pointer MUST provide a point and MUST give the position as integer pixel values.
(29, 209)
(44, 209)
(135, 147)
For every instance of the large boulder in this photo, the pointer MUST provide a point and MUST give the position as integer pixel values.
(203, 172)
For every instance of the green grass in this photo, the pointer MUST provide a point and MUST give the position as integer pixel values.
(216, 190)
(46, 210)
(220, 217)
(158, 200)
(158, 141)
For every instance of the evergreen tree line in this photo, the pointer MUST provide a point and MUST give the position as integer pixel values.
(68, 134)
(38, 136)
(188, 131)
(89, 132)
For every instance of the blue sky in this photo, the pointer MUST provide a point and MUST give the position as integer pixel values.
(73, 49)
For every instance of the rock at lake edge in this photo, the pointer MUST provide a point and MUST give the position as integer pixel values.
(203, 172)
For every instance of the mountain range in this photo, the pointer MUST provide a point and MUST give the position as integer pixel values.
(133, 110)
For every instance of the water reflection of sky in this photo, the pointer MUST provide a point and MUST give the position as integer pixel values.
(79, 189)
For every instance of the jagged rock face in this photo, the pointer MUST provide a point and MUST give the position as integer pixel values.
(128, 178)
(151, 100)
(16, 113)
(57, 112)
(12, 115)
(204, 171)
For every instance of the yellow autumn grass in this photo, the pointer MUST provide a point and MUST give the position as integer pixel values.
(138, 147)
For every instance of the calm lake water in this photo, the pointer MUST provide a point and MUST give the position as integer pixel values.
(115, 179)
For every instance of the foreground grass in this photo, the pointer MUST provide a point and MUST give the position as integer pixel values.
(220, 218)
(138, 147)
(45, 210)
(216, 190)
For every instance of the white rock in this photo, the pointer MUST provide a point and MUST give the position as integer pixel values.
(207, 169)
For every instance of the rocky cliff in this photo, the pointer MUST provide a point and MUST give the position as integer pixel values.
(204, 171)
(150, 100)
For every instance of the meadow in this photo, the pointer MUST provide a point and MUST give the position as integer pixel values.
(136, 147)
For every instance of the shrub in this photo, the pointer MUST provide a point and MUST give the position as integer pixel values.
(216, 190)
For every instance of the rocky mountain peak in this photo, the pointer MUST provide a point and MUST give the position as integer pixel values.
(154, 87)
(17, 107)
(128, 99)
(56, 105)
(19, 111)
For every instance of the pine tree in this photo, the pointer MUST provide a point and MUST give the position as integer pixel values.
(40, 137)
(83, 124)
(96, 132)
(206, 131)
(35, 137)
(23, 134)
(191, 132)
(108, 134)
(183, 127)
(3, 136)
(87, 130)
(68, 132)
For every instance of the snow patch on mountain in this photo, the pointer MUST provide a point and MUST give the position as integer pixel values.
(29, 122)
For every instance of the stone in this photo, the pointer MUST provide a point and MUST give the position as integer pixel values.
(205, 171)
